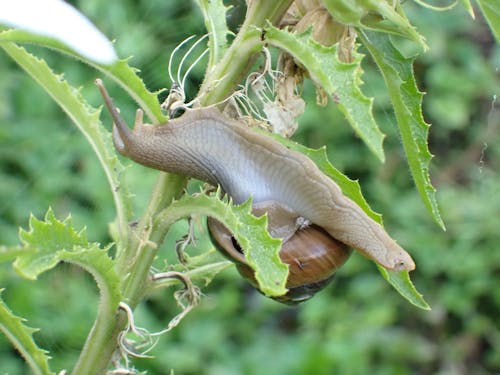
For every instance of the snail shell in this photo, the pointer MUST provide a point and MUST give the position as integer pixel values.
(312, 255)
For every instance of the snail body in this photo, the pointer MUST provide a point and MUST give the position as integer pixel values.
(205, 144)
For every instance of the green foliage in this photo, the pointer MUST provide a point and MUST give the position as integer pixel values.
(214, 13)
(21, 337)
(407, 102)
(51, 241)
(356, 326)
(84, 117)
(340, 80)
(376, 15)
(119, 71)
(261, 250)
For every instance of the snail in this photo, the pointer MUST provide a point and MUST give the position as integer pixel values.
(312, 255)
(206, 145)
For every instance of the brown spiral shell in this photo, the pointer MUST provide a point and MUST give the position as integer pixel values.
(312, 255)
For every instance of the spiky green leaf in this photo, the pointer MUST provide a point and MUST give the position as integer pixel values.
(50, 241)
(214, 13)
(407, 102)
(21, 336)
(402, 283)
(120, 71)
(340, 80)
(85, 118)
(261, 250)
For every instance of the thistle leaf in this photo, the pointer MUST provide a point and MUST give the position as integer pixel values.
(261, 250)
(407, 102)
(340, 80)
(21, 336)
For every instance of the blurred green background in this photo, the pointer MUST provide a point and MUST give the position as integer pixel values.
(358, 325)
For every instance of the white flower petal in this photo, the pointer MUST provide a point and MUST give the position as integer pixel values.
(58, 20)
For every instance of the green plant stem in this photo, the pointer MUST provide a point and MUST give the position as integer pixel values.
(168, 187)
(238, 59)
(141, 254)
(136, 259)
(134, 264)
(198, 273)
(101, 342)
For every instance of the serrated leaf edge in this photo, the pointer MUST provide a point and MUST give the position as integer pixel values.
(306, 51)
(21, 337)
(239, 220)
(87, 121)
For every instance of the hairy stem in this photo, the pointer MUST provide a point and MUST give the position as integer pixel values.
(138, 255)
(133, 265)
(220, 83)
